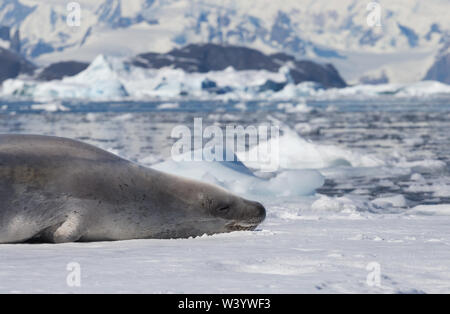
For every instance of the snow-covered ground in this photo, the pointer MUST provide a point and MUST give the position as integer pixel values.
(309, 254)
(381, 176)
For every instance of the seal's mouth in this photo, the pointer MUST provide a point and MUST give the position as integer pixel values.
(254, 215)
(241, 226)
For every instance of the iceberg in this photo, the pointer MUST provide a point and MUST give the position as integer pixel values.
(417, 89)
(98, 82)
(424, 88)
(294, 152)
(431, 210)
(112, 78)
(236, 177)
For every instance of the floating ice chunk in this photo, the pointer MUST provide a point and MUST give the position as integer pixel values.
(414, 141)
(17, 88)
(291, 108)
(292, 183)
(241, 106)
(307, 128)
(291, 91)
(417, 177)
(418, 89)
(363, 90)
(332, 108)
(431, 210)
(151, 160)
(124, 117)
(343, 205)
(442, 190)
(50, 107)
(421, 164)
(424, 88)
(395, 201)
(438, 189)
(168, 106)
(236, 177)
(351, 205)
(295, 152)
(92, 117)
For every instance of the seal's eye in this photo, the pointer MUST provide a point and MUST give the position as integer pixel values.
(224, 209)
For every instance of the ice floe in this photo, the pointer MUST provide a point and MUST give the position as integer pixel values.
(296, 152)
(236, 177)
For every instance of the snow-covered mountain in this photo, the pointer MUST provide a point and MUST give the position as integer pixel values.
(402, 49)
(440, 71)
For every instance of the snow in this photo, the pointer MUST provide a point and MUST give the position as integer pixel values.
(285, 256)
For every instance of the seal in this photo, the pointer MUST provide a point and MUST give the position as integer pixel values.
(60, 190)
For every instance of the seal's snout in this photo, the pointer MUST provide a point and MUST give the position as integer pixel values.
(256, 212)
(250, 216)
(261, 211)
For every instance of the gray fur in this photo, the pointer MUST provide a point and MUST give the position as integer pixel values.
(60, 190)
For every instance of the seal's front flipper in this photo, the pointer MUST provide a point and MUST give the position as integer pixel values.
(73, 227)
(76, 217)
(71, 230)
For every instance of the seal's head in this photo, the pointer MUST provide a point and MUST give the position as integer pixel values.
(222, 211)
(208, 209)
(234, 212)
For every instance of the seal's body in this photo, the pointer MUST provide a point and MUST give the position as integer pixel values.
(60, 190)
